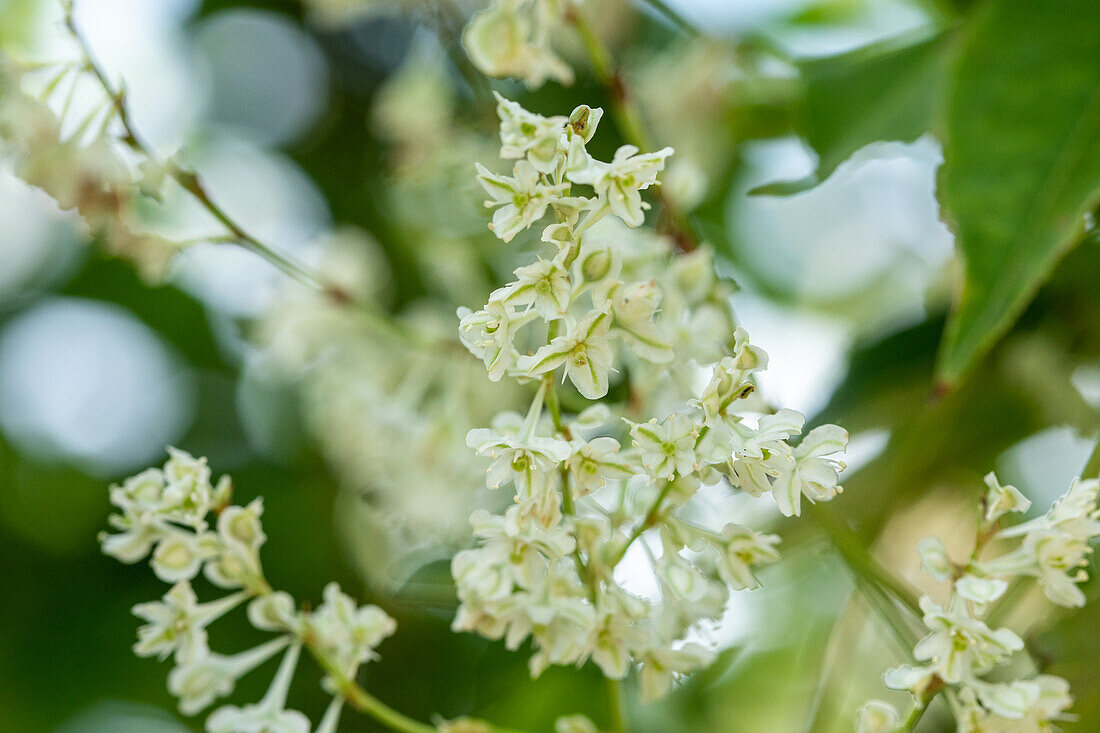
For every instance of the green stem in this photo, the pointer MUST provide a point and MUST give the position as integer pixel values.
(888, 612)
(649, 520)
(628, 120)
(860, 561)
(616, 705)
(673, 16)
(1092, 467)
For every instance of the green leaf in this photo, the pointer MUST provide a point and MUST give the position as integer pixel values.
(1022, 161)
(881, 92)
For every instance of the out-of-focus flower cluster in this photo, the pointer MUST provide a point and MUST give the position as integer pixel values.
(631, 314)
(185, 524)
(81, 163)
(961, 650)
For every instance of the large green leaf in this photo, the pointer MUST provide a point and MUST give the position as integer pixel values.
(885, 91)
(1022, 160)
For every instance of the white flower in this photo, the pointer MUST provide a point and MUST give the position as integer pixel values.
(520, 200)
(959, 647)
(620, 182)
(1061, 560)
(916, 680)
(177, 623)
(198, 682)
(634, 307)
(877, 716)
(241, 535)
(742, 549)
(729, 382)
(667, 448)
(595, 461)
(1002, 499)
(270, 714)
(814, 474)
(544, 284)
(1021, 706)
(347, 634)
(528, 135)
(585, 351)
(934, 559)
(487, 334)
(526, 461)
(274, 612)
(180, 555)
(662, 664)
(188, 495)
(981, 591)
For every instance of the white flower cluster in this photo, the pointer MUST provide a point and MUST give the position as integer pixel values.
(511, 38)
(77, 163)
(165, 512)
(962, 649)
(545, 569)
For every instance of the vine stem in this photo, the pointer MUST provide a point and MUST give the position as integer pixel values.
(616, 704)
(629, 120)
(190, 181)
(673, 16)
(861, 562)
(1092, 466)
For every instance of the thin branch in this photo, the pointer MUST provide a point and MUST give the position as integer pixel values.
(673, 16)
(857, 557)
(629, 121)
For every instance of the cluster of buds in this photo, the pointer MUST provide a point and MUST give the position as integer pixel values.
(961, 649)
(587, 487)
(165, 514)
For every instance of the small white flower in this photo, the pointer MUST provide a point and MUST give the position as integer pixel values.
(487, 334)
(595, 461)
(270, 714)
(934, 559)
(877, 716)
(347, 634)
(526, 461)
(981, 591)
(1001, 500)
(177, 623)
(520, 200)
(959, 647)
(620, 182)
(198, 682)
(814, 474)
(661, 665)
(544, 285)
(180, 555)
(667, 448)
(741, 550)
(528, 135)
(585, 351)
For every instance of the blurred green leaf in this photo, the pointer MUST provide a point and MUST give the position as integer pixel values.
(1022, 161)
(884, 91)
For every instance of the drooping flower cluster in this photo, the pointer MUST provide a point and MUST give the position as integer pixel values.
(511, 38)
(961, 649)
(165, 514)
(80, 163)
(587, 488)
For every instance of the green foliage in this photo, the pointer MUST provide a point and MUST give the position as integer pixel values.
(1014, 93)
(884, 91)
(1022, 161)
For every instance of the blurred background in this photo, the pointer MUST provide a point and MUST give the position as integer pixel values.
(809, 138)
